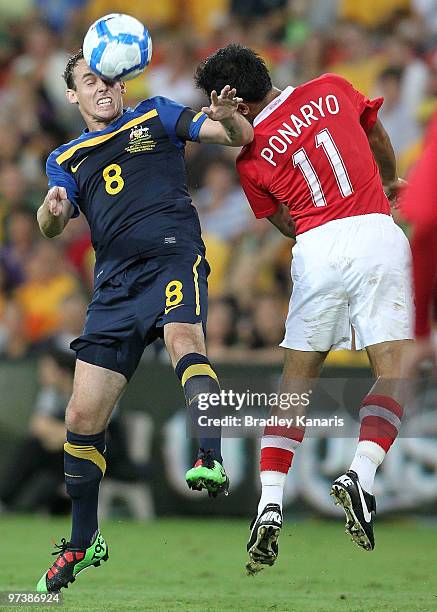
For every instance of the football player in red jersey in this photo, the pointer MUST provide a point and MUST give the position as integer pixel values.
(319, 168)
(419, 205)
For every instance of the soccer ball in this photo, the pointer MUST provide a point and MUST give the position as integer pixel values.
(117, 46)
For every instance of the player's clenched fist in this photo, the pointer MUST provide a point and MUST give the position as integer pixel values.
(55, 199)
(54, 212)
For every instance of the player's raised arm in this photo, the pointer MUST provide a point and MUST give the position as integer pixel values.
(55, 212)
(225, 125)
(384, 155)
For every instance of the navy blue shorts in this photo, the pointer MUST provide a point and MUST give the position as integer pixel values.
(129, 311)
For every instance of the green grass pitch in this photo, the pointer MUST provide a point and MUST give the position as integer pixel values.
(190, 565)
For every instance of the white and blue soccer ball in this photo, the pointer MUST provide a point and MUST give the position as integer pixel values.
(117, 46)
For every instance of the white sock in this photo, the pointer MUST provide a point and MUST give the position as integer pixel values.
(272, 489)
(368, 458)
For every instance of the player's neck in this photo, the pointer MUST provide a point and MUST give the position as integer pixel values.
(257, 108)
(273, 93)
(95, 124)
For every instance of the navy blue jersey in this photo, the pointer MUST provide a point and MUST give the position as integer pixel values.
(129, 180)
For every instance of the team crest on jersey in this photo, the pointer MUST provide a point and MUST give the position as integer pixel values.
(140, 140)
(139, 132)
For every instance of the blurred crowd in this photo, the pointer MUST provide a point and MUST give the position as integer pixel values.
(384, 47)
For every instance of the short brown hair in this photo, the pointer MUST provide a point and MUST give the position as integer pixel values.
(68, 72)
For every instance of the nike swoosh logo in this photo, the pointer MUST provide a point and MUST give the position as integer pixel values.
(73, 475)
(74, 168)
(367, 515)
(167, 310)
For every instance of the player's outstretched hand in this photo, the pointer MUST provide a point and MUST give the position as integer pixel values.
(54, 200)
(223, 106)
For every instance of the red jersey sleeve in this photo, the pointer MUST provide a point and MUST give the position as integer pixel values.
(261, 201)
(367, 108)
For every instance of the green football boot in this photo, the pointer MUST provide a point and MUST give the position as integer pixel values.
(209, 474)
(70, 562)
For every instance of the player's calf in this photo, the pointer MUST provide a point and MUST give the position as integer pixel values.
(84, 467)
(200, 381)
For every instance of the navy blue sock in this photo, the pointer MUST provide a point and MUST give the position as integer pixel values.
(197, 377)
(84, 466)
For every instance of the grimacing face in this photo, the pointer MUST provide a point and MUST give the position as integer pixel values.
(100, 102)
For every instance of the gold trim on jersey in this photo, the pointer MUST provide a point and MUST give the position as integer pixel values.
(197, 117)
(99, 139)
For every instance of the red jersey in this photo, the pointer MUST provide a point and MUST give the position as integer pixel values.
(311, 153)
(419, 205)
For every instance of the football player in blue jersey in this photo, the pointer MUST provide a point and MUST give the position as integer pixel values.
(126, 174)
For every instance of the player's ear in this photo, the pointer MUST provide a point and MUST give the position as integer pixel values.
(123, 87)
(243, 108)
(71, 96)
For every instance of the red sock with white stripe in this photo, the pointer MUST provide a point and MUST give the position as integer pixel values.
(380, 417)
(278, 446)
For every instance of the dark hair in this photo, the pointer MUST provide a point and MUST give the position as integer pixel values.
(239, 67)
(68, 72)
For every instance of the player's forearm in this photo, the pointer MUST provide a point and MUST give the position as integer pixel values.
(284, 222)
(238, 130)
(383, 153)
(49, 224)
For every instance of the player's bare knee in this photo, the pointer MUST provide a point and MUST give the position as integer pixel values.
(79, 419)
(76, 421)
